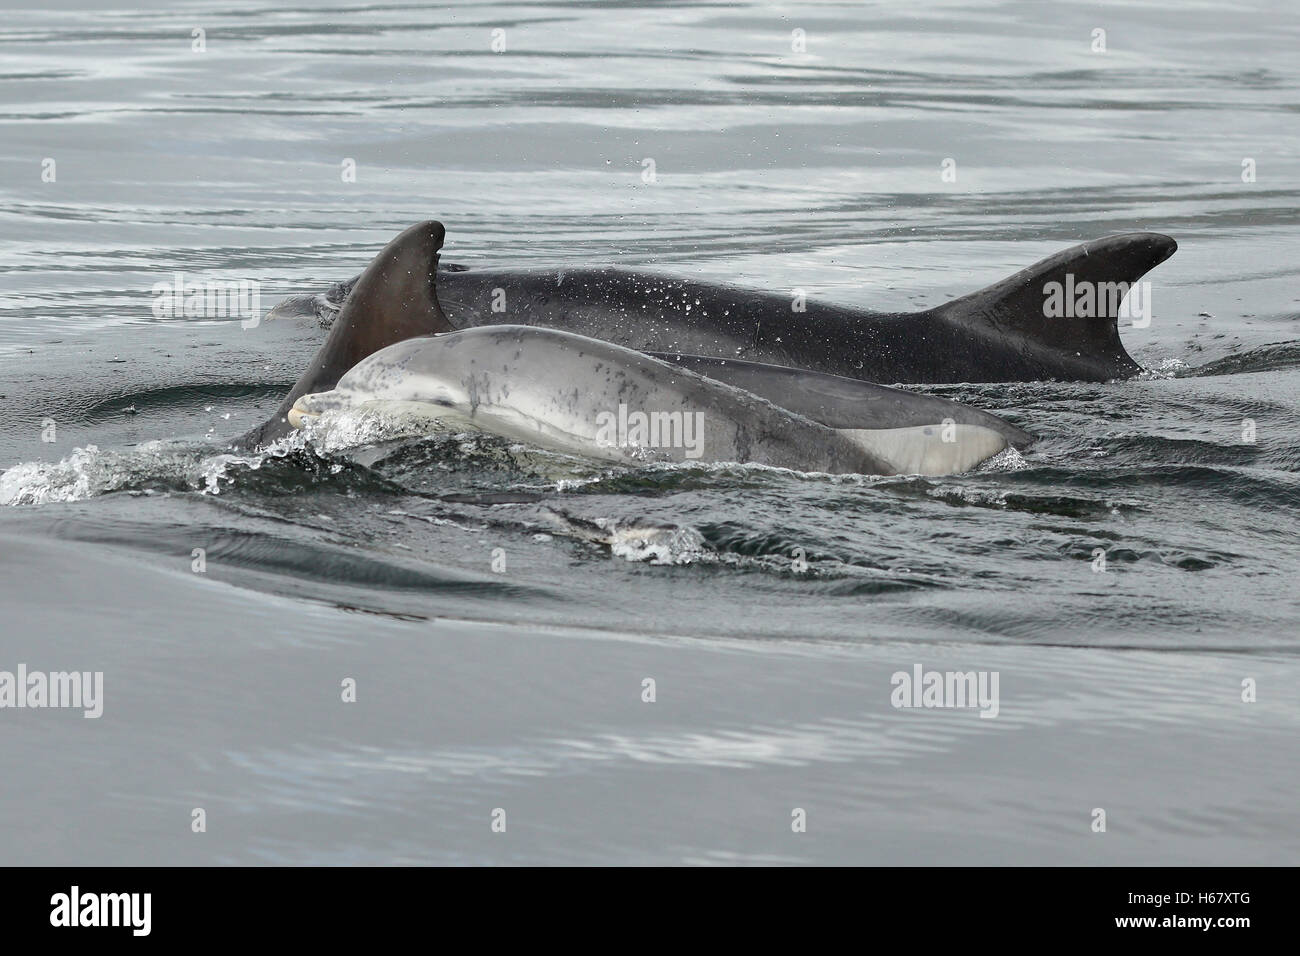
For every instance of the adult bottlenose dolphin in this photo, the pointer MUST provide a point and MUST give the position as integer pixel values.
(591, 398)
(397, 298)
(1002, 333)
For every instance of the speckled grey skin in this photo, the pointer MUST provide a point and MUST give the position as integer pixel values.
(580, 395)
(551, 388)
(840, 402)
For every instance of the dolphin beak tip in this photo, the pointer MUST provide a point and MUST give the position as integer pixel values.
(299, 416)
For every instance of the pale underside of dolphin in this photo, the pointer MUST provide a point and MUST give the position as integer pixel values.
(397, 298)
(585, 397)
(999, 334)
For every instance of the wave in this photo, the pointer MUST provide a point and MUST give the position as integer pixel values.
(1266, 358)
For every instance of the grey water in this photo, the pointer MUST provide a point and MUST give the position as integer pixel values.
(374, 657)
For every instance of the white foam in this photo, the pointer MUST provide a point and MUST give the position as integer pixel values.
(80, 475)
(89, 472)
(658, 545)
(655, 545)
(338, 430)
(1009, 459)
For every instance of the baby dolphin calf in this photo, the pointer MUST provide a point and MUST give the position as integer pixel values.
(586, 397)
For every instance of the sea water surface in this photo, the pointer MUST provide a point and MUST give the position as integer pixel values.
(660, 665)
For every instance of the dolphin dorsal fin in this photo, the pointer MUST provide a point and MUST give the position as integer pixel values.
(395, 298)
(1018, 306)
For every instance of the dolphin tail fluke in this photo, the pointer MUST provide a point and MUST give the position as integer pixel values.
(1065, 309)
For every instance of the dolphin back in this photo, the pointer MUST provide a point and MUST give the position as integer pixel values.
(843, 403)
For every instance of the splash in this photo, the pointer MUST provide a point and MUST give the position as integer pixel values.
(82, 474)
(340, 430)
(89, 472)
(1167, 368)
(673, 546)
(636, 541)
(1009, 459)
